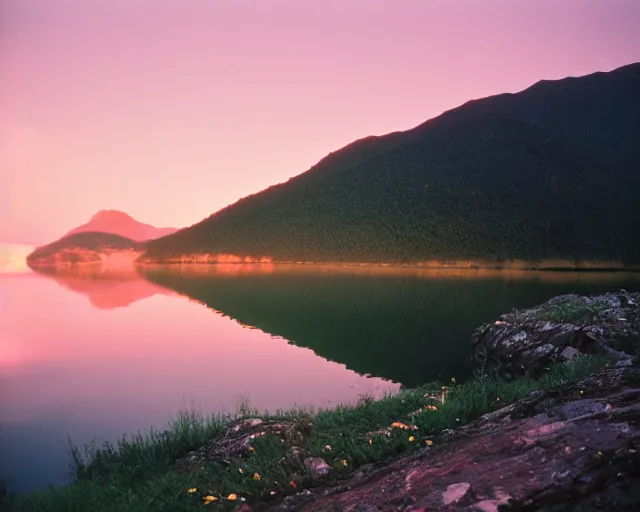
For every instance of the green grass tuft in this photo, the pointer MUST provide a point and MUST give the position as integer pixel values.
(574, 310)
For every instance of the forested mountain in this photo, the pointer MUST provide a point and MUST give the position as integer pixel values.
(550, 173)
(78, 248)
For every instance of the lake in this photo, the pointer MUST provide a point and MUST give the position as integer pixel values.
(90, 357)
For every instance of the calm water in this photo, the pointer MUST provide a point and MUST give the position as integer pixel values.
(86, 357)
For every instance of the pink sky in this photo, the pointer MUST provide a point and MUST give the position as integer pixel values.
(173, 111)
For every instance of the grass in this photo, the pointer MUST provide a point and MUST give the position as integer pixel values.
(575, 310)
(138, 473)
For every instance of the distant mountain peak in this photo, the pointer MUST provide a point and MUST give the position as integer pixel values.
(120, 223)
(111, 215)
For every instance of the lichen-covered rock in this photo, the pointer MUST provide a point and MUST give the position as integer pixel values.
(527, 341)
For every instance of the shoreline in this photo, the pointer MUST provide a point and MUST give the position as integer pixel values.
(136, 258)
(525, 265)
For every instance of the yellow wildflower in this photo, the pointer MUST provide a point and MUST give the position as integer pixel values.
(232, 497)
(401, 425)
(208, 499)
(411, 439)
(193, 489)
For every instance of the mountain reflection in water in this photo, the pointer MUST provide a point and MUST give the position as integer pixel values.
(403, 324)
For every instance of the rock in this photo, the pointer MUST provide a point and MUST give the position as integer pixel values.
(553, 450)
(455, 493)
(527, 341)
(317, 465)
(246, 424)
(365, 507)
(570, 353)
(237, 441)
(501, 498)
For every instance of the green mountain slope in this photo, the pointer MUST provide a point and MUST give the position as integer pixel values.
(548, 173)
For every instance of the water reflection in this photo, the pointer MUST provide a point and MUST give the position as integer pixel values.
(139, 350)
(406, 325)
(68, 367)
(107, 290)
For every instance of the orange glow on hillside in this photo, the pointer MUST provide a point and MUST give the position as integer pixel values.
(549, 276)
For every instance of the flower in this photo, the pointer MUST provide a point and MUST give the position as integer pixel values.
(411, 439)
(293, 484)
(232, 497)
(208, 499)
(328, 448)
(453, 379)
(428, 442)
(273, 493)
(256, 476)
(193, 489)
(251, 448)
(241, 470)
(344, 462)
(401, 425)
(370, 441)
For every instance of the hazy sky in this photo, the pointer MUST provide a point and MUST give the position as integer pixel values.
(172, 109)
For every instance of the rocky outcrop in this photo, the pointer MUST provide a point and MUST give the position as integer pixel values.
(573, 448)
(528, 341)
(238, 438)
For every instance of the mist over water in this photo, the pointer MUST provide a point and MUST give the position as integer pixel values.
(13, 258)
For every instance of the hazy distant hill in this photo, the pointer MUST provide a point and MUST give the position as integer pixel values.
(119, 223)
(78, 248)
(550, 173)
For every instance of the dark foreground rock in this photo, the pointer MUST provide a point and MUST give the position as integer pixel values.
(573, 448)
(528, 341)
